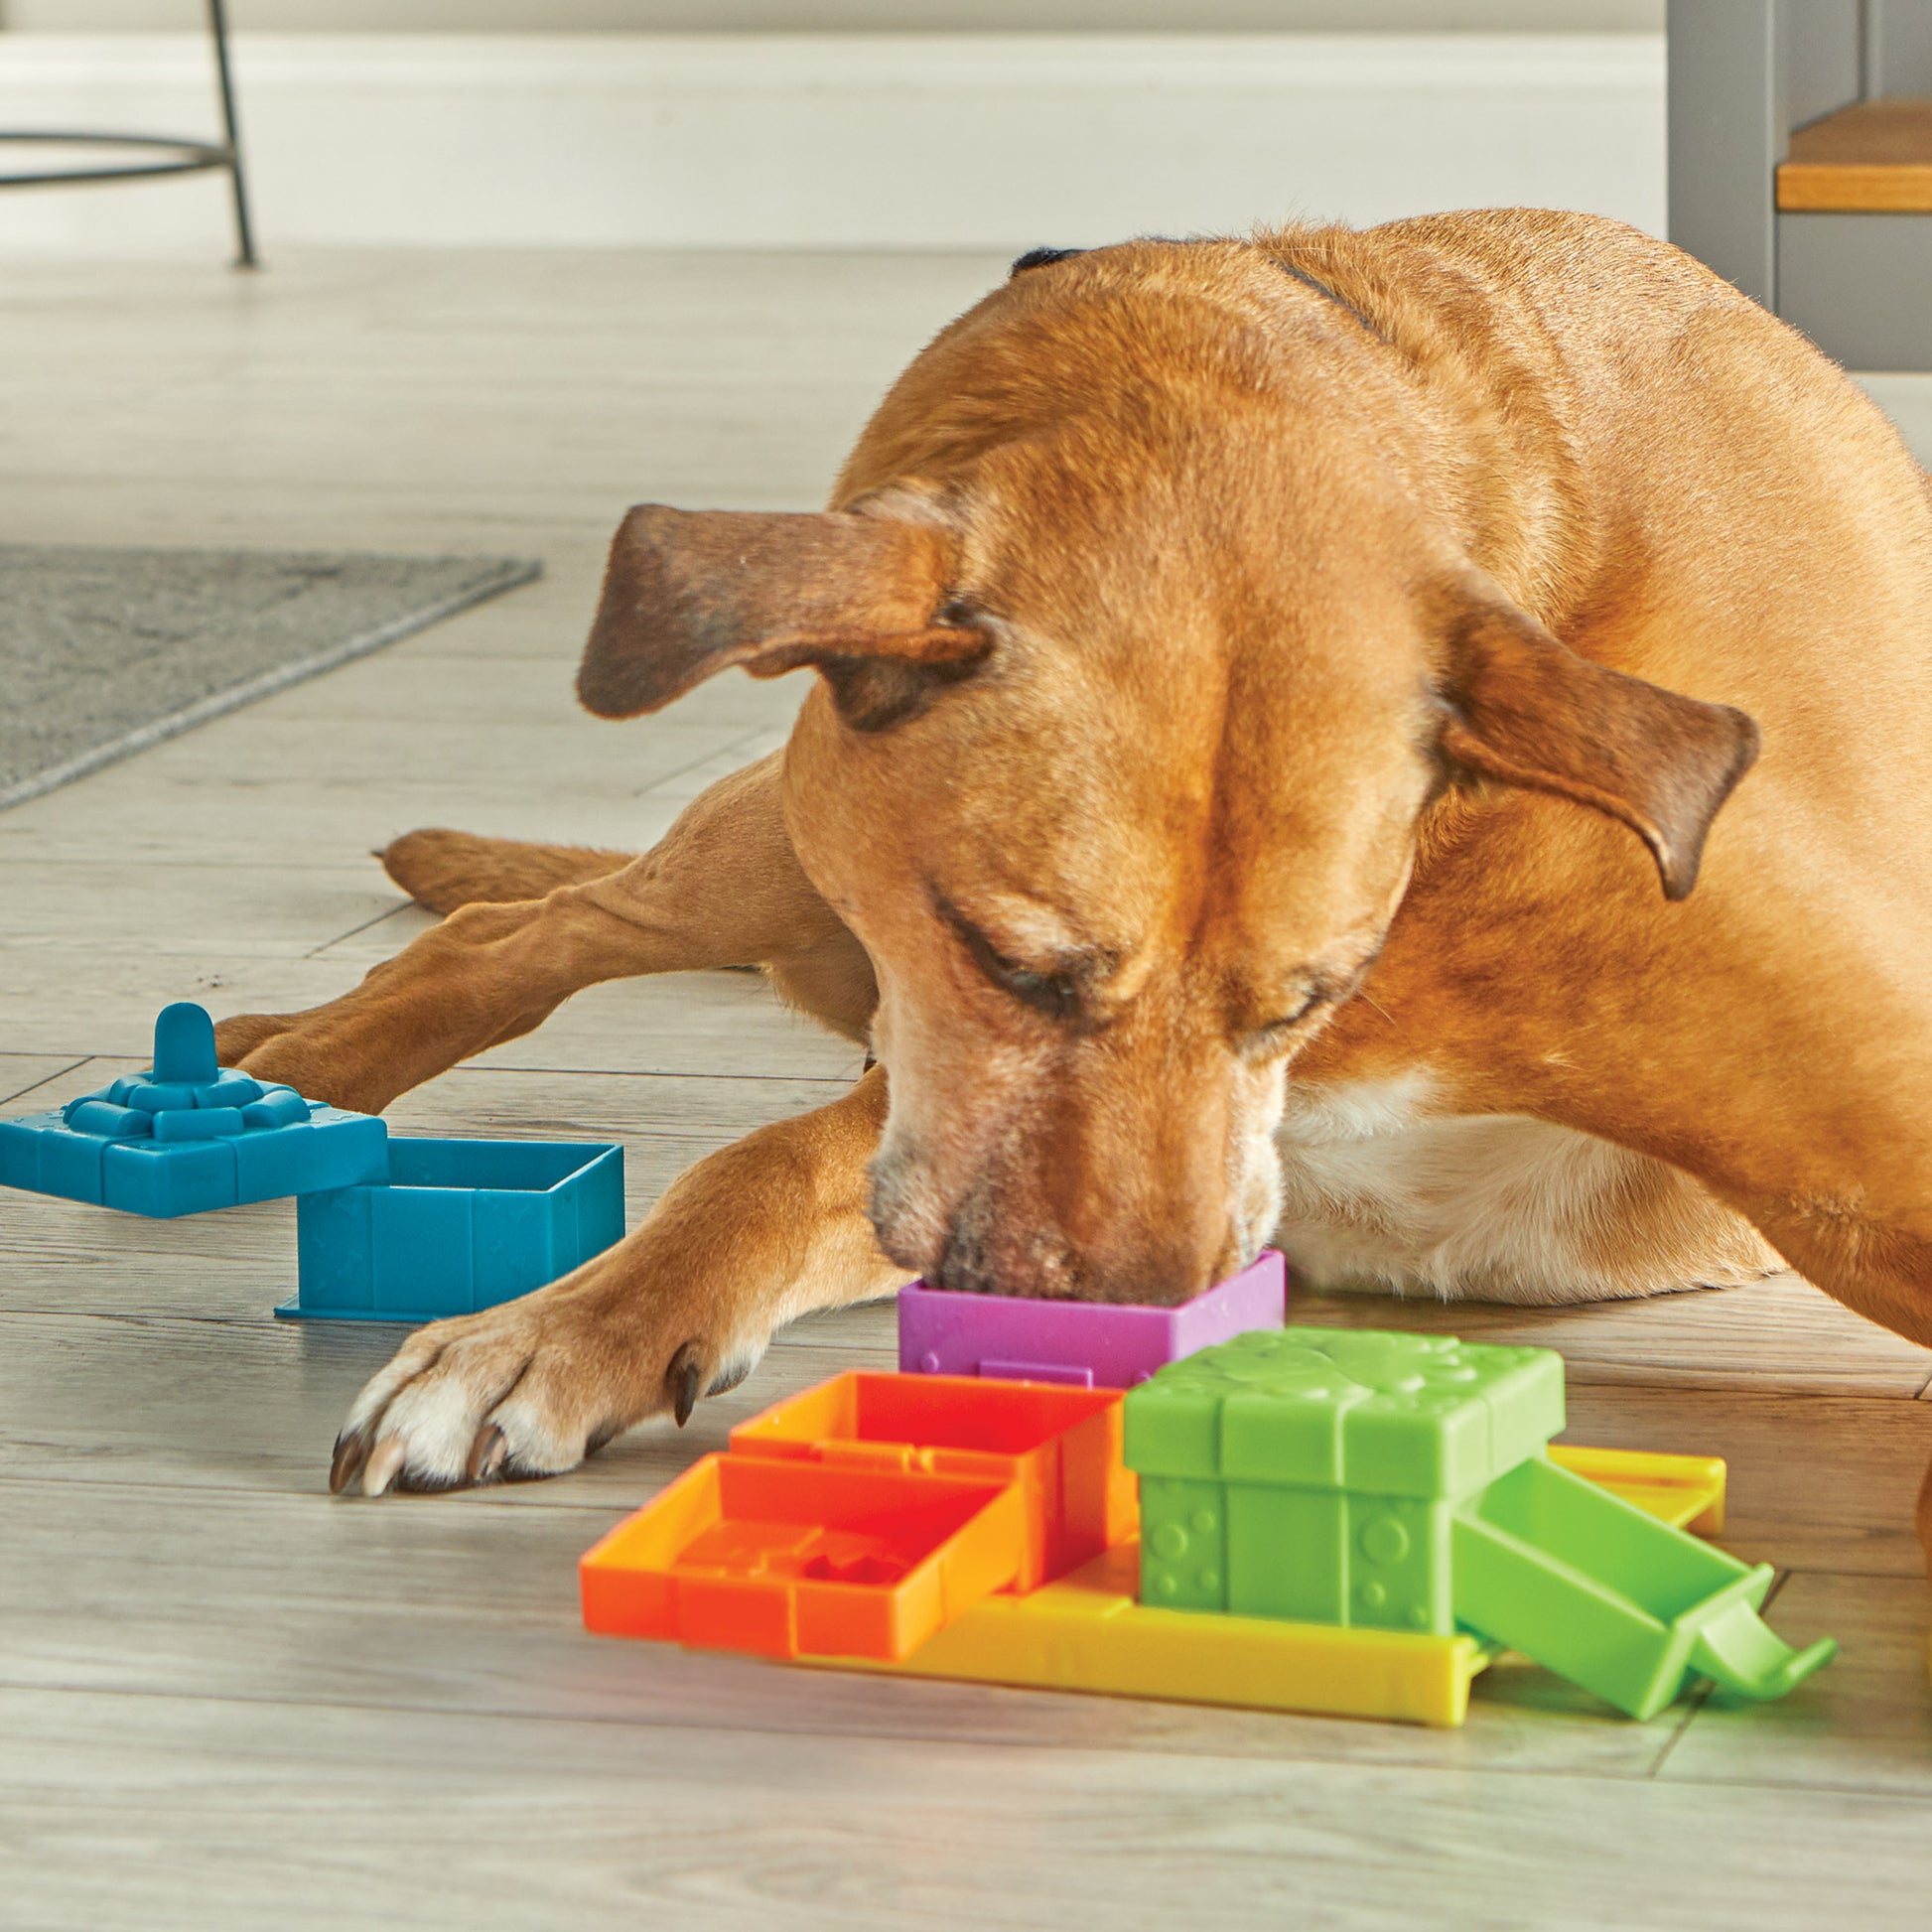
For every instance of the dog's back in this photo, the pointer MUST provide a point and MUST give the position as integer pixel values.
(1683, 488)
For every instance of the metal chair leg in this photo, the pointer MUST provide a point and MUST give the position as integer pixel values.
(217, 20)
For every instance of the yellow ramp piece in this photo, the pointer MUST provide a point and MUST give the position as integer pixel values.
(1089, 1633)
(1686, 1491)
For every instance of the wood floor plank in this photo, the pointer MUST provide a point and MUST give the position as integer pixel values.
(22, 1074)
(327, 781)
(1780, 1332)
(519, 662)
(546, 1104)
(217, 1394)
(1863, 1724)
(245, 1403)
(469, 1603)
(484, 1100)
(85, 908)
(682, 786)
(1816, 1481)
(583, 415)
(242, 1814)
(510, 757)
(52, 1006)
(273, 748)
(686, 1023)
(697, 1023)
(180, 819)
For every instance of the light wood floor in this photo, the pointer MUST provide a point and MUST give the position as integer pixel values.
(226, 1699)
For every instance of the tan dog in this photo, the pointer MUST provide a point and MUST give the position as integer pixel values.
(1199, 816)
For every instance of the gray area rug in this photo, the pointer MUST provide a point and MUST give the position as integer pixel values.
(104, 651)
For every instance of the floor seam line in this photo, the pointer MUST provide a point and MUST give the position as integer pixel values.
(721, 752)
(59, 1073)
(884, 1734)
(318, 951)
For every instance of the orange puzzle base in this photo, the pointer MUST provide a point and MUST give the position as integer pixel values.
(864, 1515)
(787, 1560)
(1060, 1446)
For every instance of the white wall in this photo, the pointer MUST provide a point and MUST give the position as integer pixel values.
(865, 16)
(909, 141)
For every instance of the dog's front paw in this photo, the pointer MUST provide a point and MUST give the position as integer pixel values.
(241, 1034)
(340, 1054)
(526, 1389)
(283, 1048)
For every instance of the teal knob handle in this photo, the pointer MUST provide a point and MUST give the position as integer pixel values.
(184, 1046)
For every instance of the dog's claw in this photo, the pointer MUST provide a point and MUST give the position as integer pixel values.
(385, 1465)
(487, 1454)
(683, 1378)
(728, 1378)
(352, 1452)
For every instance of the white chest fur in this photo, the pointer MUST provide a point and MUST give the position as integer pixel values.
(1381, 1192)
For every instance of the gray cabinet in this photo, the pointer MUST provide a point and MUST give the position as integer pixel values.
(1801, 164)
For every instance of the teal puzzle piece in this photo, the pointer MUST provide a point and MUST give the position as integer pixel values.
(189, 1135)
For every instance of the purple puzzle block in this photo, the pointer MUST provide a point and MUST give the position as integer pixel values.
(1090, 1344)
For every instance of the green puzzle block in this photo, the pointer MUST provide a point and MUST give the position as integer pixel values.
(1183, 1544)
(1342, 1477)
(1352, 1409)
(1309, 1555)
(1312, 1473)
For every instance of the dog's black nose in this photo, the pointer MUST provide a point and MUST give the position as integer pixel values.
(964, 1268)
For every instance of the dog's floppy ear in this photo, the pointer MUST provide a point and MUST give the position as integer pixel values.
(689, 592)
(1522, 708)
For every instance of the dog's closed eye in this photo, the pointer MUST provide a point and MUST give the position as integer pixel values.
(1056, 993)
(1273, 1035)
(1276, 1035)
(1053, 994)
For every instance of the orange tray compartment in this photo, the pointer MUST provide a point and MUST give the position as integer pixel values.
(791, 1557)
(1060, 1447)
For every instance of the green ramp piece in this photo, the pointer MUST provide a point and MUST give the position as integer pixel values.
(1738, 1654)
(1601, 1593)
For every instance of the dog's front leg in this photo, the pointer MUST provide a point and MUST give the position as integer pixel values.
(724, 888)
(486, 975)
(760, 1232)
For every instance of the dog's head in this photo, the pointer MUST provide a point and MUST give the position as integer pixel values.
(1139, 668)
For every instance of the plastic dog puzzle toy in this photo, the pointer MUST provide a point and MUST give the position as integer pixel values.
(783, 1559)
(1358, 1477)
(861, 1517)
(1060, 1447)
(189, 1135)
(1684, 1491)
(387, 1229)
(1088, 1344)
(1339, 1521)
(1088, 1631)
(457, 1226)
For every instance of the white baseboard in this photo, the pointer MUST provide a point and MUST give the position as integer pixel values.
(865, 141)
